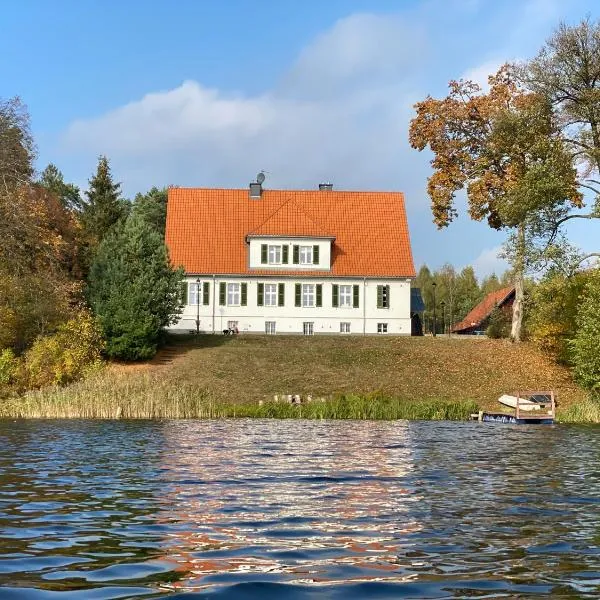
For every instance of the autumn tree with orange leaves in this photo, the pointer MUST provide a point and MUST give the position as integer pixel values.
(505, 150)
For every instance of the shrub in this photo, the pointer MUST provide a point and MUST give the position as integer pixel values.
(9, 365)
(586, 343)
(551, 320)
(69, 354)
(498, 324)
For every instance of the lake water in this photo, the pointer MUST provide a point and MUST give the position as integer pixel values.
(297, 509)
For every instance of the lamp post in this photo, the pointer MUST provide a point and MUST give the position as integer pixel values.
(443, 303)
(198, 306)
(434, 323)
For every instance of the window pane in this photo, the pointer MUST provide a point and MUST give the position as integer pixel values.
(308, 294)
(270, 294)
(308, 328)
(270, 327)
(274, 255)
(344, 327)
(306, 255)
(233, 294)
(193, 292)
(345, 295)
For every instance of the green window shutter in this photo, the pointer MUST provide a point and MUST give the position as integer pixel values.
(296, 254)
(260, 295)
(387, 302)
(206, 293)
(184, 292)
(222, 293)
(244, 298)
(379, 296)
(298, 294)
(319, 294)
(264, 257)
(285, 251)
(335, 295)
(281, 293)
(315, 255)
(355, 293)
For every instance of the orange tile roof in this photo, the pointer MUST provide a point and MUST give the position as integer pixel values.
(483, 310)
(207, 228)
(289, 220)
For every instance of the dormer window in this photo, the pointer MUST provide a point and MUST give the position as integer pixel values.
(274, 255)
(306, 255)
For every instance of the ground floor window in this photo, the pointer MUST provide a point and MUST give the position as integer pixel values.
(344, 327)
(382, 327)
(308, 294)
(308, 328)
(270, 327)
(232, 324)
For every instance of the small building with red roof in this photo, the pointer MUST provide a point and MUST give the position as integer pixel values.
(291, 261)
(478, 317)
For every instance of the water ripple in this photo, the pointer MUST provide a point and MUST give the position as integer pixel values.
(297, 509)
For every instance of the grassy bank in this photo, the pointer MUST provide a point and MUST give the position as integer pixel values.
(361, 377)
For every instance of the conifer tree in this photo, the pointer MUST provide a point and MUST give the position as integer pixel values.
(68, 194)
(104, 208)
(133, 289)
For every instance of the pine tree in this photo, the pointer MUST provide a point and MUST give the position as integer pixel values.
(152, 207)
(52, 180)
(104, 208)
(133, 290)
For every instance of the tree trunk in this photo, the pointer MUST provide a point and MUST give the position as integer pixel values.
(519, 276)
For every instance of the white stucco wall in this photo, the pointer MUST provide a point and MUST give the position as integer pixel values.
(324, 253)
(290, 318)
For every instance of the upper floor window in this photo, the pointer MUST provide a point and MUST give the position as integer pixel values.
(270, 294)
(233, 294)
(306, 255)
(308, 294)
(383, 296)
(345, 295)
(198, 293)
(274, 254)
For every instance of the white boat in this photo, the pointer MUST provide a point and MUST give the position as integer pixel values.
(524, 403)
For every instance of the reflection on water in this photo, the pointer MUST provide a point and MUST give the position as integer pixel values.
(297, 509)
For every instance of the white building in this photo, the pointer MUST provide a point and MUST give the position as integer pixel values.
(292, 262)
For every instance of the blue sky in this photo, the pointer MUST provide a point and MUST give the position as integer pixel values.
(207, 93)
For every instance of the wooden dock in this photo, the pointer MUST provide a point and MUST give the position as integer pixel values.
(544, 416)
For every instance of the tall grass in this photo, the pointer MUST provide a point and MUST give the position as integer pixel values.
(148, 396)
(586, 411)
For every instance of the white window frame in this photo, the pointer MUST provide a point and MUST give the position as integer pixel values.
(234, 294)
(382, 328)
(270, 327)
(344, 327)
(232, 324)
(194, 287)
(308, 328)
(345, 296)
(274, 255)
(306, 255)
(270, 294)
(309, 295)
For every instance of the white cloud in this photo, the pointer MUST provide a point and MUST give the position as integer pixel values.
(489, 262)
(341, 113)
(480, 73)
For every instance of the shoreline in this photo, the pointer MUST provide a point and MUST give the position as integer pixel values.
(343, 407)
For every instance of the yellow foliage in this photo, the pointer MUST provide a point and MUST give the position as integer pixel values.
(69, 354)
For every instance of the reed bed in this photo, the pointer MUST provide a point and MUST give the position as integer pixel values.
(586, 411)
(147, 395)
